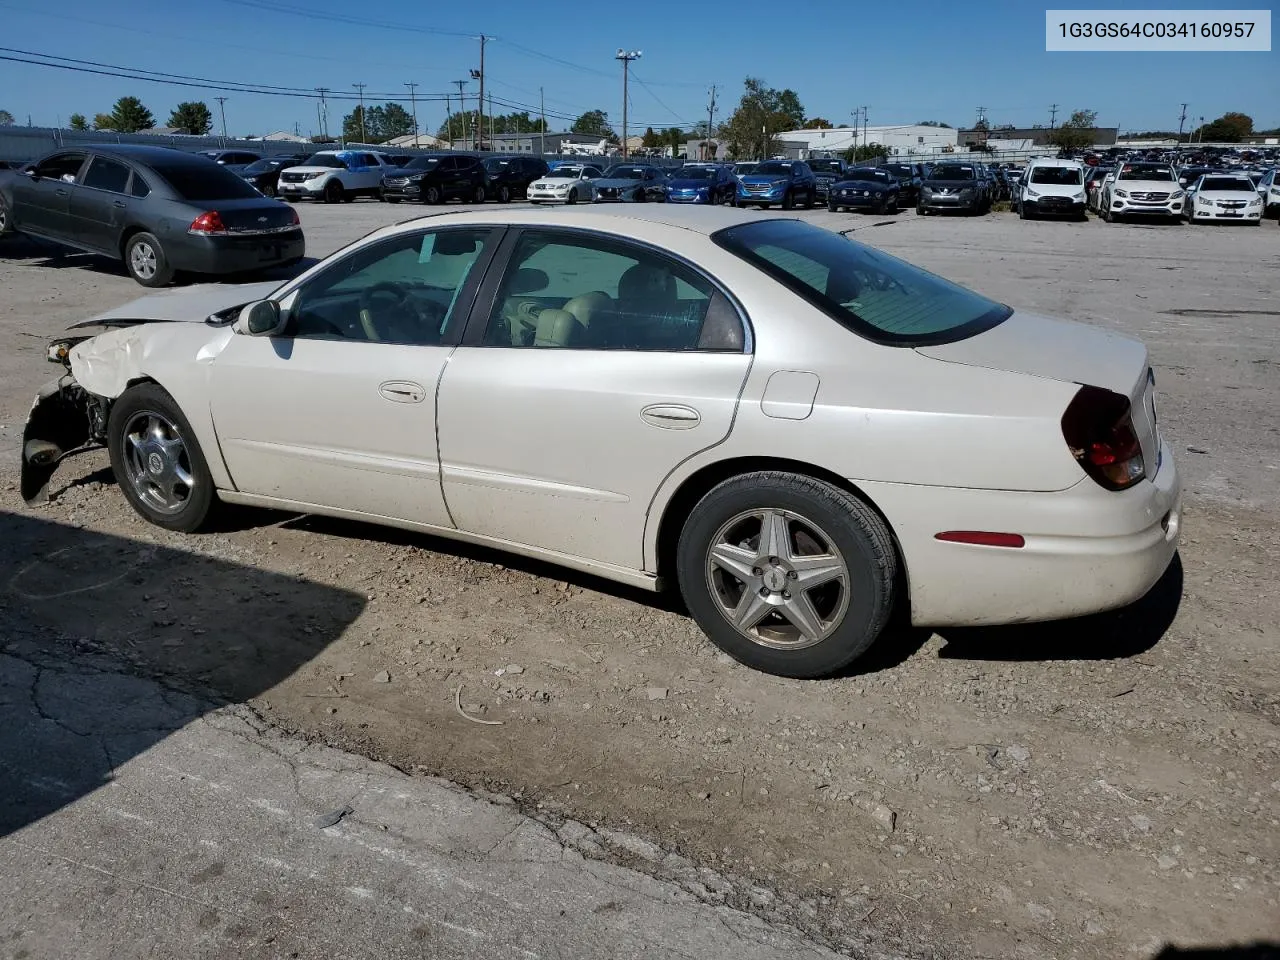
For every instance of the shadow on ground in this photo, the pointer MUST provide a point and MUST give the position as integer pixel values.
(84, 615)
(1254, 951)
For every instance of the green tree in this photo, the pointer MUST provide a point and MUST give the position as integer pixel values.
(103, 121)
(762, 113)
(817, 123)
(6, 118)
(594, 123)
(392, 121)
(192, 117)
(933, 123)
(129, 115)
(1228, 128)
(651, 140)
(355, 125)
(78, 122)
(674, 138)
(1079, 131)
(865, 151)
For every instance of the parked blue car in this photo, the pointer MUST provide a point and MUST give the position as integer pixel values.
(784, 182)
(702, 183)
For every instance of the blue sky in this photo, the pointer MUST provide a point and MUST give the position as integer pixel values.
(908, 62)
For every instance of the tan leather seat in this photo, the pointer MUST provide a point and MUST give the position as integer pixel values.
(588, 306)
(556, 328)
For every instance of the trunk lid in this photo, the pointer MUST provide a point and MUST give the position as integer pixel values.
(1038, 346)
(255, 215)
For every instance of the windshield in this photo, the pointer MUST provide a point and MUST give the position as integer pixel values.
(773, 167)
(867, 176)
(322, 160)
(264, 166)
(951, 173)
(624, 173)
(900, 169)
(695, 173)
(824, 166)
(1130, 172)
(1226, 183)
(567, 173)
(421, 163)
(875, 295)
(1062, 176)
(744, 168)
(200, 182)
(496, 165)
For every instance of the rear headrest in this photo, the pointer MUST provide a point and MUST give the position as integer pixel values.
(645, 282)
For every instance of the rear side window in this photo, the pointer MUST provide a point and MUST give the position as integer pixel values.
(107, 175)
(873, 294)
(204, 181)
(139, 187)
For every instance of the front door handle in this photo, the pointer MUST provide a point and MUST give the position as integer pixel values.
(119, 203)
(61, 193)
(402, 391)
(671, 416)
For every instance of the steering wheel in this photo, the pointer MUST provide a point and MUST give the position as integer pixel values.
(402, 301)
(521, 317)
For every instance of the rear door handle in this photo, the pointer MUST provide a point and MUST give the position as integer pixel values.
(61, 193)
(402, 391)
(671, 416)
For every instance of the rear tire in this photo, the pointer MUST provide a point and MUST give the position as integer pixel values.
(146, 262)
(161, 472)
(504, 194)
(6, 226)
(790, 629)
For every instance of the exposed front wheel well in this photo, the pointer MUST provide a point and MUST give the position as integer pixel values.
(697, 486)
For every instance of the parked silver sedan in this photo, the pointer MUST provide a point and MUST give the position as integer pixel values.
(800, 432)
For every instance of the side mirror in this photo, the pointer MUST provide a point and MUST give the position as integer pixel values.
(260, 319)
(31, 172)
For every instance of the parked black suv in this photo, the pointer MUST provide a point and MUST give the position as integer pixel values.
(436, 177)
(827, 171)
(508, 178)
(910, 176)
(265, 173)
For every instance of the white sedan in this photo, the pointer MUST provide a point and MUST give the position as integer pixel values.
(567, 183)
(1225, 197)
(801, 432)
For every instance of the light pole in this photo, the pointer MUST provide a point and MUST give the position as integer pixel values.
(462, 111)
(414, 104)
(626, 56)
(222, 110)
(364, 137)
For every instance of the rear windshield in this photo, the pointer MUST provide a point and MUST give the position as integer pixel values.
(873, 294)
(204, 181)
(1062, 176)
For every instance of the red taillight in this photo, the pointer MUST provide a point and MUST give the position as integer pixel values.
(983, 538)
(1098, 428)
(208, 224)
(293, 217)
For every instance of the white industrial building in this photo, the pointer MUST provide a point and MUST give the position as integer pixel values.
(901, 140)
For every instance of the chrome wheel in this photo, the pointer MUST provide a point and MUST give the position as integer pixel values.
(157, 463)
(4, 219)
(143, 261)
(778, 578)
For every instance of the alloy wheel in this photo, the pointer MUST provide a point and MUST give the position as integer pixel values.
(143, 260)
(778, 578)
(157, 463)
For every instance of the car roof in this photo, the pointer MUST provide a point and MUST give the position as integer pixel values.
(700, 220)
(1054, 162)
(141, 154)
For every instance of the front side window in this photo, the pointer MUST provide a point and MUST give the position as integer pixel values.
(873, 294)
(63, 166)
(405, 290)
(586, 292)
(104, 174)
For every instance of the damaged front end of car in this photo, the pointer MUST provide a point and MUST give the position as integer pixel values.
(65, 419)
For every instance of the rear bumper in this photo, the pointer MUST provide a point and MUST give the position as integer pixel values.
(1087, 549)
(223, 255)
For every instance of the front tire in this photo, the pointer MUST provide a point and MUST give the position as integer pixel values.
(157, 460)
(504, 194)
(431, 195)
(831, 206)
(333, 192)
(787, 574)
(6, 225)
(146, 262)
(788, 201)
(572, 197)
(478, 194)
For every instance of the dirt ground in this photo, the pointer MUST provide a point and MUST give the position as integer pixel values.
(1093, 788)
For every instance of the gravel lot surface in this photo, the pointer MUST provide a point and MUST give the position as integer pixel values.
(1094, 788)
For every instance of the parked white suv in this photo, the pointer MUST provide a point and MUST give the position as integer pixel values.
(1051, 187)
(336, 175)
(1142, 189)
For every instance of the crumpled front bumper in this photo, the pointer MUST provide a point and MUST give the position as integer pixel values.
(65, 419)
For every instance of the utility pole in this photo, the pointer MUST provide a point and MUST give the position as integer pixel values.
(491, 132)
(542, 109)
(364, 136)
(856, 121)
(324, 112)
(709, 152)
(1053, 115)
(222, 109)
(462, 110)
(414, 104)
(1181, 122)
(626, 56)
(480, 103)
(865, 141)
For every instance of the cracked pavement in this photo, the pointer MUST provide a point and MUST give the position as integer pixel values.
(201, 838)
